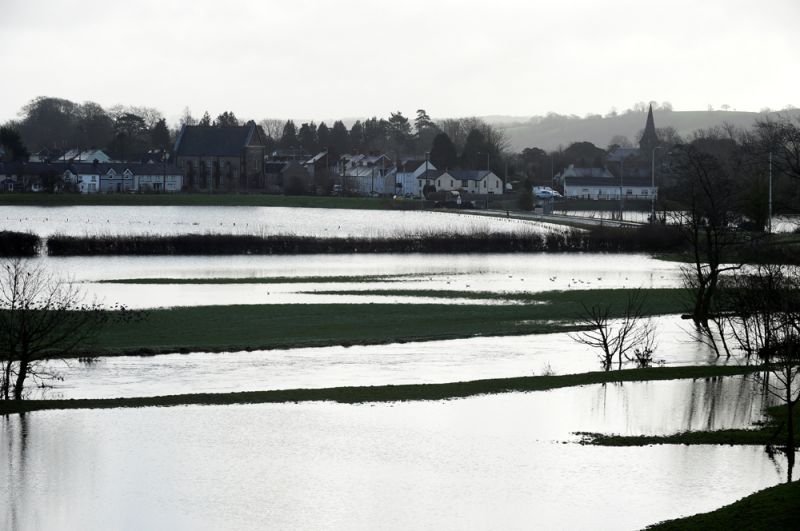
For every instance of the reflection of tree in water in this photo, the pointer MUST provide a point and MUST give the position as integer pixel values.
(703, 404)
(15, 436)
(723, 401)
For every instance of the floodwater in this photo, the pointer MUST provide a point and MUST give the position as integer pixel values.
(453, 360)
(322, 222)
(505, 461)
(490, 462)
(461, 272)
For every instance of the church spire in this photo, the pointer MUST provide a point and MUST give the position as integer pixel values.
(649, 137)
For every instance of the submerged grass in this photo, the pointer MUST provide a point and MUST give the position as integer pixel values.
(775, 508)
(271, 326)
(770, 432)
(385, 393)
(596, 239)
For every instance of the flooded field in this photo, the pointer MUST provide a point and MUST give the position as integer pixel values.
(504, 461)
(83, 220)
(466, 272)
(486, 462)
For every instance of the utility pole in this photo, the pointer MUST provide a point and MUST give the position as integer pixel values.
(769, 215)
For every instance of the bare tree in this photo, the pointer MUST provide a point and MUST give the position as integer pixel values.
(41, 317)
(630, 337)
(708, 221)
(272, 127)
(764, 320)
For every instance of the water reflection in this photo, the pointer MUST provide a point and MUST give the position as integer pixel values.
(479, 463)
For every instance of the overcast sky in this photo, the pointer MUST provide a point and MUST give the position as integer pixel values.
(348, 58)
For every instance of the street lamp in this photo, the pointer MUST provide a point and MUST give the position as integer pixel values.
(653, 183)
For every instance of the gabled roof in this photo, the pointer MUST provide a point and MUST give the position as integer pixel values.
(119, 168)
(596, 173)
(212, 141)
(431, 174)
(469, 175)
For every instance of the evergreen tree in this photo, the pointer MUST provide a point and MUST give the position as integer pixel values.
(11, 142)
(205, 121)
(159, 135)
(289, 137)
(323, 136)
(475, 153)
(443, 153)
(307, 137)
(357, 136)
(226, 119)
(340, 139)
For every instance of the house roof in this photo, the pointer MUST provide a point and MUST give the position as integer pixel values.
(198, 140)
(594, 182)
(316, 158)
(136, 168)
(597, 173)
(431, 174)
(469, 175)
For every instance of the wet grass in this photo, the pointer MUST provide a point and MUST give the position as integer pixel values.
(775, 508)
(772, 431)
(659, 301)
(386, 393)
(273, 326)
(596, 239)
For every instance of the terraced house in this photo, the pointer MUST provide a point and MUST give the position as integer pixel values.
(221, 158)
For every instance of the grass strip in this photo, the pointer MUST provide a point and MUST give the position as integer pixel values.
(271, 326)
(775, 509)
(661, 300)
(387, 393)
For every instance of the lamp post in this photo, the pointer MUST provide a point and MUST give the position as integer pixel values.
(653, 183)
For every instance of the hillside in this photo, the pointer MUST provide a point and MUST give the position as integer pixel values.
(549, 132)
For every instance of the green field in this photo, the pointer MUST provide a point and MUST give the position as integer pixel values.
(774, 509)
(252, 327)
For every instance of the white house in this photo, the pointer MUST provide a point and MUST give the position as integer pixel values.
(408, 179)
(124, 177)
(366, 174)
(473, 181)
(88, 155)
(596, 188)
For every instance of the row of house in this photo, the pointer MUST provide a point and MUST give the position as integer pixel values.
(89, 178)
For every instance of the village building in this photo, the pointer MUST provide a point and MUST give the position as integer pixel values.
(215, 158)
(122, 177)
(479, 182)
(367, 174)
(409, 178)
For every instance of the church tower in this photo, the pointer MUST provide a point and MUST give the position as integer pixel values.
(649, 137)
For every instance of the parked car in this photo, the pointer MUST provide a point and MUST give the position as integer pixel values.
(545, 192)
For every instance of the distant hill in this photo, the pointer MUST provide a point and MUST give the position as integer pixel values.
(548, 132)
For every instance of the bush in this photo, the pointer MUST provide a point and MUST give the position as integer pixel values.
(19, 244)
